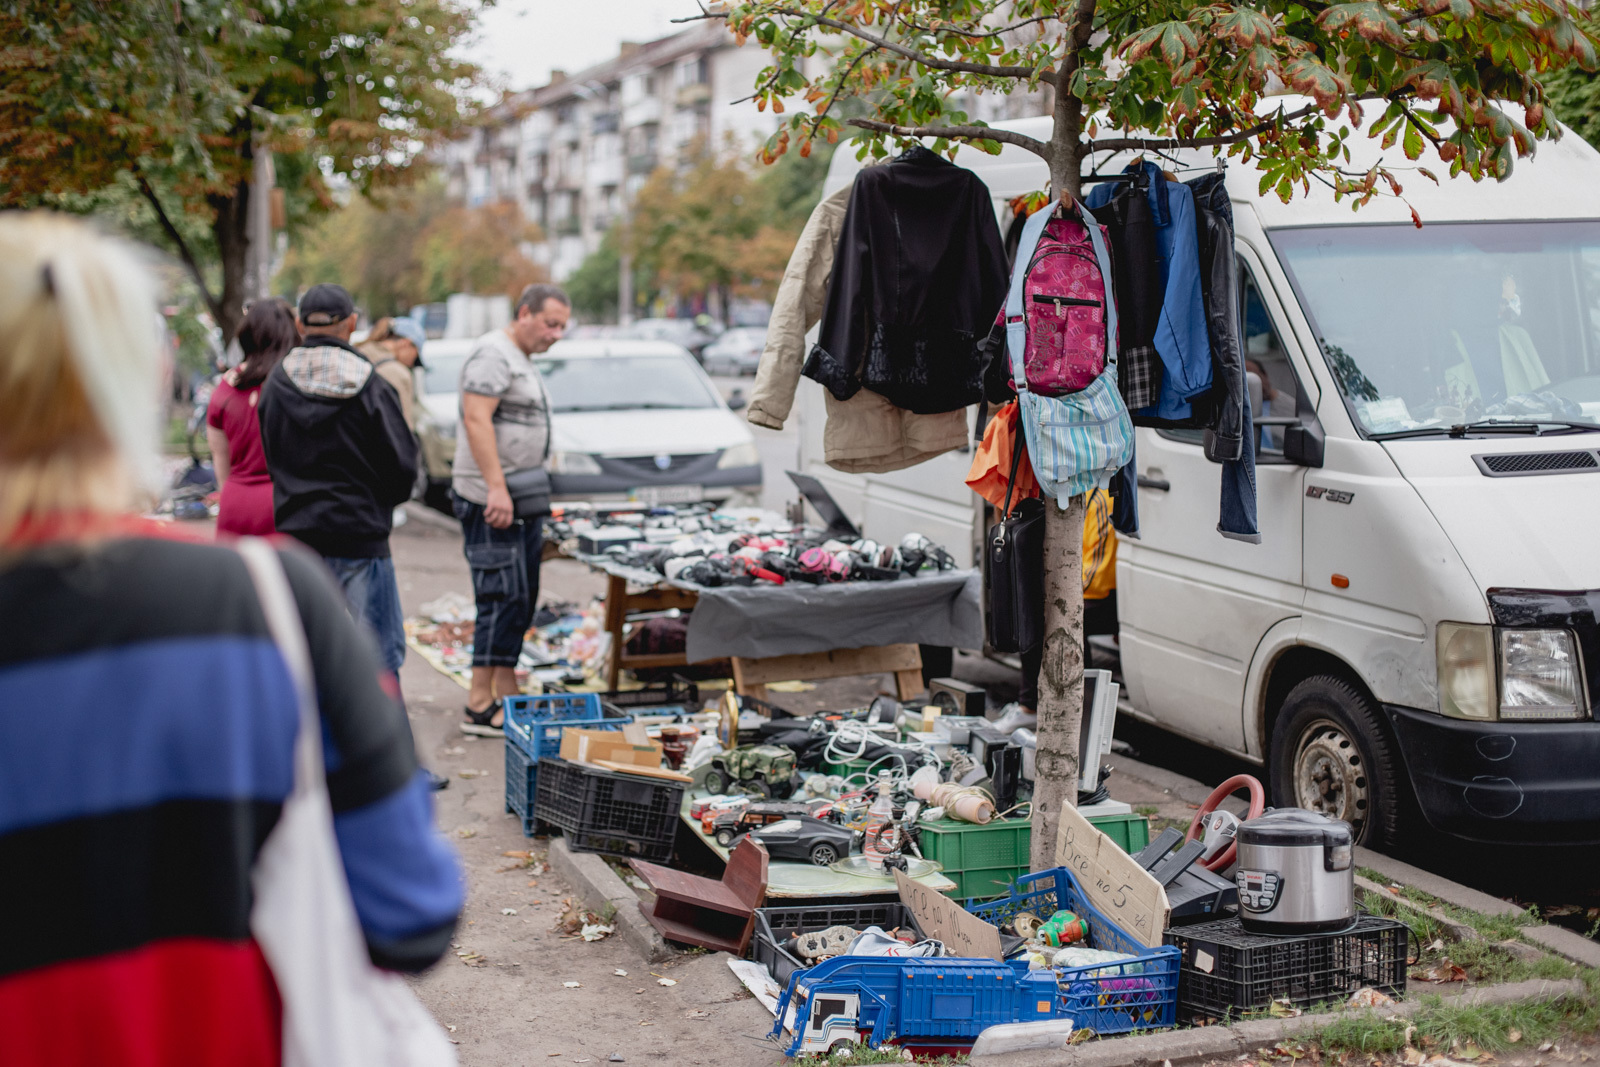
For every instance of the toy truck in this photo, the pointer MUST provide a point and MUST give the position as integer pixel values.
(935, 1004)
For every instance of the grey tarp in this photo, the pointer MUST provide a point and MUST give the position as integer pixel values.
(755, 621)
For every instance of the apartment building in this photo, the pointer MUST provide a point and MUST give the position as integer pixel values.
(572, 153)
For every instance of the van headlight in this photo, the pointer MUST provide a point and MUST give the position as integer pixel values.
(572, 463)
(1539, 677)
(744, 455)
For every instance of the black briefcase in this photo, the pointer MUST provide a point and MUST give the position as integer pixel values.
(1016, 570)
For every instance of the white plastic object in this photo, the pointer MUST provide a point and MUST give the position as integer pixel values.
(701, 752)
(923, 779)
(1220, 830)
(1015, 716)
(1023, 1037)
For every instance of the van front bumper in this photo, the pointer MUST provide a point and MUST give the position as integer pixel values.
(1524, 783)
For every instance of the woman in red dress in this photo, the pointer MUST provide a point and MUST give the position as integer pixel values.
(232, 429)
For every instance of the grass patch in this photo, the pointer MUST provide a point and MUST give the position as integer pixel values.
(1440, 1024)
(1147, 810)
(1484, 961)
(886, 1054)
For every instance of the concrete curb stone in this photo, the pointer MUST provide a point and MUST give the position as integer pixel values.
(598, 885)
(1177, 1047)
(1450, 892)
(1564, 942)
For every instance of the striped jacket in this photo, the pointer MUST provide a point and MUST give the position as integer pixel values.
(147, 726)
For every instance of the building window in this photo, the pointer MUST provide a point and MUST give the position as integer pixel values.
(692, 72)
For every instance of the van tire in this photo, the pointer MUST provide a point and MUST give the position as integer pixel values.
(1331, 753)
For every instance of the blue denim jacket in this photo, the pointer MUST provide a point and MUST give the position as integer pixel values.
(1181, 339)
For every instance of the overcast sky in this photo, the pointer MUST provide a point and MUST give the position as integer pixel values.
(523, 40)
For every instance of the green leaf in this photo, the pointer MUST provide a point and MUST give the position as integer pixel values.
(1245, 27)
(1413, 142)
(1317, 80)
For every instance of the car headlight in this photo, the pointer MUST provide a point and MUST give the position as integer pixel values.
(1539, 676)
(744, 455)
(1466, 671)
(571, 463)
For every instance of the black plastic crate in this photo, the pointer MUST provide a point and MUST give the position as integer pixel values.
(607, 811)
(775, 926)
(1226, 970)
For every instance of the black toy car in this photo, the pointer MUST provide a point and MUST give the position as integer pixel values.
(730, 824)
(806, 839)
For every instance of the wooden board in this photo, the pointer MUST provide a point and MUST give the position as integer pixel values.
(648, 772)
(942, 919)
(750, 676)
(1118, 887)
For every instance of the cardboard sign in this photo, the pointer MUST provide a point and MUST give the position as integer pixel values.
(1118, 887)
(942, 919)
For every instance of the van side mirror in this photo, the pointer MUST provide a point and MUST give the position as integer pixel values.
(1303, 443)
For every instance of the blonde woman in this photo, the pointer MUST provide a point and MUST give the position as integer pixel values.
(148, 719)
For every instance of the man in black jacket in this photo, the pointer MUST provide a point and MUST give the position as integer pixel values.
(341, 459)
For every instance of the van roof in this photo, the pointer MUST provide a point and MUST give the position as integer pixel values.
(1558, 182)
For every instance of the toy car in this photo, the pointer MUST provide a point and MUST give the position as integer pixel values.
(805, 839)
(727, 825)
(766, 769)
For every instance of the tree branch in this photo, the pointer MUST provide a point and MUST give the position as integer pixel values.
(959, 133)
(1052, 17)
(176, 238)
(985, 69)
(1149, 144)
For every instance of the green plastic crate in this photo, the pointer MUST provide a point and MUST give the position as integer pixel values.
(982, 860)
(1130, 831)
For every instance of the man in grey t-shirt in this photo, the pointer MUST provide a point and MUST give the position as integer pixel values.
(505, 427)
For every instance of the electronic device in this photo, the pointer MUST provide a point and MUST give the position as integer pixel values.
(839, 525)
(1193, 893)
(1099, 720)
(1001, 757)
(958, 697)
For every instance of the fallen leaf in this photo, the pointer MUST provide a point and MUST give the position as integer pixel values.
(532, 884)
(508, 911)
(597, 931)
(1413, 1057)
(1283, 1008)
(1367, 997)
(637, 991)
(697, 1014)
(450, 1028)
(573, 985)
(620, 973)
(666, 981)
(1445, 971)
(1513, 1036)
(522, 856)
(1547, 1046)
(466, 831)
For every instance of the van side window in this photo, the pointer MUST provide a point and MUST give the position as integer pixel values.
(1269, 380)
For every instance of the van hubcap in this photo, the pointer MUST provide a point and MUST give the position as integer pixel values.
(1330, 776)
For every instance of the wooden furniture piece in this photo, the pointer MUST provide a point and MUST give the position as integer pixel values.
(620, 604)
(750, 676)
(718, 915)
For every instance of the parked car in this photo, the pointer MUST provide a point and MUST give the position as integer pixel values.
(678, 331)
(1417, 630)
(738, 351)
(630, 420)
(805, 840)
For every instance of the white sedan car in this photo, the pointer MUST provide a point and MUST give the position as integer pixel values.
(630, 420)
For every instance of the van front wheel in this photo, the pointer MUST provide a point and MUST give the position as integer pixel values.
(1330, 754)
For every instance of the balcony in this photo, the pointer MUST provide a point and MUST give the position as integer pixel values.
(693, 95)
(570, 226)
(642, 111)
(643, 163)
(606, 122)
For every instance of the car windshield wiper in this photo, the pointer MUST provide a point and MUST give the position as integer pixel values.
(1535, 427)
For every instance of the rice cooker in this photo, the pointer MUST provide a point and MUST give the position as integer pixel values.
(1295, 873)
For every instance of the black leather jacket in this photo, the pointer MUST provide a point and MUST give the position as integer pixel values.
(1219, 277)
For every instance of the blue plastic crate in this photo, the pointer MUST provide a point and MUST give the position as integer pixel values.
(522, 781)
(1140, 994)
(534, 723)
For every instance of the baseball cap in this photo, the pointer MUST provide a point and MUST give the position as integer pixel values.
(412, 331)
(325, 304)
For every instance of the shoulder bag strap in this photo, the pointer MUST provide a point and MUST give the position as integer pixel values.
(1019, 445)
(1016, 324)
(289, 634)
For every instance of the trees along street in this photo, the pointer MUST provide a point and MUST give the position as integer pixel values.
(1156, 77)
(169, 105)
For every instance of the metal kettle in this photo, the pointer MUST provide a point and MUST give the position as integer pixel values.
(1295, 873)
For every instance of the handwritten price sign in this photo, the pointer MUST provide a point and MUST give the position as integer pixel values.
(941, 918)
(1118, 887)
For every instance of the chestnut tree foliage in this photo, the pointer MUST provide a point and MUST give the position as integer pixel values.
(1281, 84)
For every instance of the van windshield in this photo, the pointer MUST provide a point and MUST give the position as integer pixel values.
(1453, 324)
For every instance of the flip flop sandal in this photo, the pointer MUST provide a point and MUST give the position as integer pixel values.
(477, 723)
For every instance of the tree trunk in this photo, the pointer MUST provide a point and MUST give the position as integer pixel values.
(231, 228)
(1060, 678)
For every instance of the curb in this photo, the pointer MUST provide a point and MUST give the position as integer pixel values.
(1173, 1047)
(1443, 888)
(1185, 789)
(599, 885)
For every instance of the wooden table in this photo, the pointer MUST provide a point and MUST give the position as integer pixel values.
(750, 676)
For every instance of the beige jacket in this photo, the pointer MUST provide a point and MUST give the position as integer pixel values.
(396, 374)
(865, 434)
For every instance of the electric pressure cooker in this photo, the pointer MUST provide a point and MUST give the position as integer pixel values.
(1295, 873)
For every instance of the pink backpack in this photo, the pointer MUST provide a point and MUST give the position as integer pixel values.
(1064, 307)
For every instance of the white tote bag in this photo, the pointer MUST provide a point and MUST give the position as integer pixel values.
(338, 1009)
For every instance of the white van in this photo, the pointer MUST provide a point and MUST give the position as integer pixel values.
(1418, 626)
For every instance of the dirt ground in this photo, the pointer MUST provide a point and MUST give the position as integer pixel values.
(504, 996)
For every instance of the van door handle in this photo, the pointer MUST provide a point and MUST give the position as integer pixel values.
(1158, 484)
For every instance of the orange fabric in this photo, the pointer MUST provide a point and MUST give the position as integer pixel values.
(991, 466)
(1099, 547)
